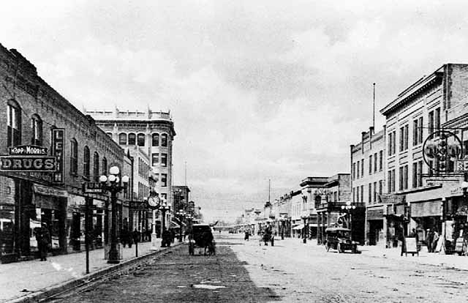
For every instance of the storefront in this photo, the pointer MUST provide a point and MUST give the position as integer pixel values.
(50, 206)
(375, 225)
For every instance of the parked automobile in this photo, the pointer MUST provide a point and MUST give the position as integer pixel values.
(339, 238)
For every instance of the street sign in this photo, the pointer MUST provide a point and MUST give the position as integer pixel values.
(92, 188)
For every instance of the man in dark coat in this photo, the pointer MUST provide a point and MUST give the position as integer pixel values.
(43, 241)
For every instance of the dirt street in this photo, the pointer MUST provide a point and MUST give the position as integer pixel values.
(288, 272)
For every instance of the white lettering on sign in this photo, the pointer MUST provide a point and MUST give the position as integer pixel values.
(461, 165)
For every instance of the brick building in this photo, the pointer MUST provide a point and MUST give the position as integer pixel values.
(368, 183)
(426, 132)
(36, 115)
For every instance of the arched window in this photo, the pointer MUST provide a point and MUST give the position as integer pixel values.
(155, 141)
(164, 140)
(131, 139)
(73, 157)
(141, 139)
(13, 124)
(86, 164)
(122, 139)
(36, 125)
(96, 167)
(104, 166)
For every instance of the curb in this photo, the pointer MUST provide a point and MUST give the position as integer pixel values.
(59, 288)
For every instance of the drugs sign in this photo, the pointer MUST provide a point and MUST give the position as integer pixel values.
(21, 163)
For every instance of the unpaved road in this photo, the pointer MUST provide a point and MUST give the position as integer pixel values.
(288, 272)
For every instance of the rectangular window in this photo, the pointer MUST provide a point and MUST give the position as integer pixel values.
(402, 135)
(369, 192)
(415, 132)
(74, 157)
(380, 187)
(415, 175)
(163, 180)
(437, 119)
(354, 171)
(420, 175)
(358, 168)
(357, 194)
(420, 134)
(375, 162)
(154, 159)
(354, 194)
(430, 122)
(164, 159)
(406, 137)
(13, 125)
(362, 193)
(370, 165)
(390, 144)
(375, 192)
(380, 160)
(362, 168)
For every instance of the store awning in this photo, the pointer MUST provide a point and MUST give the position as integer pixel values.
(300, 226)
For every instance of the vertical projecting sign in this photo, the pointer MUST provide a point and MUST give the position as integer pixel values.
(58, 135)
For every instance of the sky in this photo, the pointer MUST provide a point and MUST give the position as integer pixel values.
(262, 93)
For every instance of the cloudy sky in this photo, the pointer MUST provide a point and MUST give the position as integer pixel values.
(258, 90)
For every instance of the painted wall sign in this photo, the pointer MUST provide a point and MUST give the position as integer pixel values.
(23, 163)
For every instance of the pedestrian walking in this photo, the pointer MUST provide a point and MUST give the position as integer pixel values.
(247, 235)
(43, 241)
(430, 238)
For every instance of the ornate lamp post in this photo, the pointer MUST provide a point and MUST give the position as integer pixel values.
(114, 185)
(181, 216)
(348, 207)
(163, 208)
(304, 238)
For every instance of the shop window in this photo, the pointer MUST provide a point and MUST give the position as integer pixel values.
(13, 124)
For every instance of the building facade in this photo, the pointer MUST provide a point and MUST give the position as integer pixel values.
(368, 183)
(41, 128)
(426, 136)
(154, 133)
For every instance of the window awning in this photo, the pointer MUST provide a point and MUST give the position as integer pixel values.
(300, 226)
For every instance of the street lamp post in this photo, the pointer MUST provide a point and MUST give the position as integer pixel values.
(348, 207)
(304, 238)
(163, 208)
(114, 185)
(181, 215)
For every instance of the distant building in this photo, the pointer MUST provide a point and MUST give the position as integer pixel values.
(153, 132)
(368, 183)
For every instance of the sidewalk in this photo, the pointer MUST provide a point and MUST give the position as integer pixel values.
(22, 280)
(436, 259)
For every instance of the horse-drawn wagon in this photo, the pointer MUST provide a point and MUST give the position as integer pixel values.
(201, 237)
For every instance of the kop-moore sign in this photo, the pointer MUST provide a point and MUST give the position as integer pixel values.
(28, 158)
